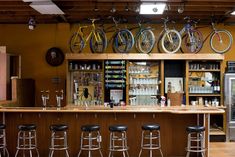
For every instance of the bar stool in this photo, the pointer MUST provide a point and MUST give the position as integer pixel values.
(90, 134)
(196, 136)
(151, 134)
(59, 139)
(3, 145)
(27, 139)
(118, 140)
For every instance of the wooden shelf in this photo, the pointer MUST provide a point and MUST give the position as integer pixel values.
(205, 70)
(205, 94)
(137, 56)
(214, 131)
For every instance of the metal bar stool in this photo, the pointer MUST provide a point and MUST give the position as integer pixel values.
(90, 139)
(196, 139)
(151, 139)
(27, 139)
(59, 139)
(118, 140)
(3, 145)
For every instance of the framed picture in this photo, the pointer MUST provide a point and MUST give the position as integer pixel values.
(174, 84)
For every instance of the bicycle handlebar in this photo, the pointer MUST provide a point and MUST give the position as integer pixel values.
(93, 20)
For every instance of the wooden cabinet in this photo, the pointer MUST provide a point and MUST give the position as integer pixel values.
(10, 65)
(198, 77)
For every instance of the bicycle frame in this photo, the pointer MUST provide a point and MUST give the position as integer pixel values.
(80, 31)
(212, 31)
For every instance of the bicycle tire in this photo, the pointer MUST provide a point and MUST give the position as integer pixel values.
(192, 46)
(159, 43)
(145, 41)
(214, 45)
(76, 43)
(125, 44)
(168, 46)
(98, 46)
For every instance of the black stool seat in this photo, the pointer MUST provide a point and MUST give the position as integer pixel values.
(117, 128)
(90, 128)
(151, 127)
(58, 127)
(2, 126)
(27, 127)
(195, 129)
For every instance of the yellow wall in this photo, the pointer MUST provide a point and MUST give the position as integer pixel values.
(32, 46)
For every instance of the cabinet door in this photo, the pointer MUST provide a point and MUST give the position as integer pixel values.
(144, 82)
(230, 96)
(86, 82)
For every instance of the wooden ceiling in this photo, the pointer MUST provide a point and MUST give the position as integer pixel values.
(17, 11)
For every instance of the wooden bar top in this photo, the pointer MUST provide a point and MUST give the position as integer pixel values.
(119, 109)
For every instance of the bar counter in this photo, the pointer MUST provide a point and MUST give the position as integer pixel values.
(173, 121)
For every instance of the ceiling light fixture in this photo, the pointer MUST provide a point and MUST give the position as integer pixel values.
(127, 7)
(113, 9)
(31, 23)
(233, 13)
(180, 8)
(46, 7)
(96, 8)
(152, 8)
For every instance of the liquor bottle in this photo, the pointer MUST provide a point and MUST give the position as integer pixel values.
(218, 87)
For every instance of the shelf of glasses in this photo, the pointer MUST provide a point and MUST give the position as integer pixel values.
(204, 94)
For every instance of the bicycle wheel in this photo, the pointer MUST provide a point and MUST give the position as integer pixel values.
(221, 41)
(171, 41)
(192, 43)
(98, 41)
(76, 43)
(123, 41)
(145, 41)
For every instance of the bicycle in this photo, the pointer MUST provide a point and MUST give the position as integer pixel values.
(220, 39)
(98, 39)
(192, 37)
(144, 39)
(170, 39)
(122, 38)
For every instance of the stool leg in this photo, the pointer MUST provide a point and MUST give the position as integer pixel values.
(110, 144)
(30, 144)
(202, 144)
(24, 143)
(81, 144)
(126, 145)
(99, 142)
(17, 151)
(142, 142)
(90, 144)
(66, 144)
(35, 142)
(159, 143)
(123, 144)
(188, 145)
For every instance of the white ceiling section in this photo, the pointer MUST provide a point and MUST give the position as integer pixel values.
(45, 7)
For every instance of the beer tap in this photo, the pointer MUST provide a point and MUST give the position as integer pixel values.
(45, 97)
(59, 97)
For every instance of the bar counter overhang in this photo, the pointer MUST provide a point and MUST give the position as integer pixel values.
(173, 121)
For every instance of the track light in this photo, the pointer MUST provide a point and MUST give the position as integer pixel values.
(96, 8)
(31, 23)
(127, 8)
(181, 8)
(113, 9)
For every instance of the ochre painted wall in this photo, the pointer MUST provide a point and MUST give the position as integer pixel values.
(33, 45)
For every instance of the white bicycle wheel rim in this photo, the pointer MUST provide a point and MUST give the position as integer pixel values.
(229, 45)
(163, 39)
(138, 43)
